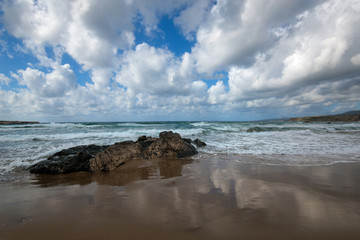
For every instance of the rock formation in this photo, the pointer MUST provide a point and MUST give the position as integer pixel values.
(106, 158)
(17, 122)
(199, 143)
(255, 129)
(353, 116)
(70, 160)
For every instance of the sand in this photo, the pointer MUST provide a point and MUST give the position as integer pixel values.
(205, 198)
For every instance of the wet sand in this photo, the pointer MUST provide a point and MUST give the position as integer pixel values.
(205, 198)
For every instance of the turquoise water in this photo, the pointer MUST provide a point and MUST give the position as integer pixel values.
(268, 142)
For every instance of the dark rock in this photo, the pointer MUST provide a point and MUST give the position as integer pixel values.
(199, 143)
(18, 122)
(255, 129)
(352, 116)
(106, 158)
(90, 149)
(115, 155)
(145, 142)
(142, 138)
(168, 145)
(70, 160)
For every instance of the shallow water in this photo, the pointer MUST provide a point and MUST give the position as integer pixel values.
(277, 142)
(254, 180)
(205, 198)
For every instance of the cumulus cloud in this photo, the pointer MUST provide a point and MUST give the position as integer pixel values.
(99, 36)
(39, 21)
(315, 53)
(191, 17)
(150, 10)
(97, 31)
(90, 31)
(54, 84)
(155, 71)
(217, 93)
(269, 54)
(235, 31)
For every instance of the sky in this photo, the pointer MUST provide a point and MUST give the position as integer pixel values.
(168, 60)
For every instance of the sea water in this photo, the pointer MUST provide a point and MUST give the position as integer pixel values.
(267, 142)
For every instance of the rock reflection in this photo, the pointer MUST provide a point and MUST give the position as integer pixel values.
(131, 171)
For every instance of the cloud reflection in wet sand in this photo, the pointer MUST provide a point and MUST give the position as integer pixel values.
(205, 198)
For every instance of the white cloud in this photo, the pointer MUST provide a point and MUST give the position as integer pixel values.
(151, 10)
(4, 79)
(101, 78)
(39, 21)
(95, 34)
(97, 31)
(154, 71)
(317, 51)
(217, 93)
(235, 31)
(54, 84)
(355, 60)
(106, 18)
(4, 48)
(296, 54)
(91, 32)
(191, 17)
(198, 88)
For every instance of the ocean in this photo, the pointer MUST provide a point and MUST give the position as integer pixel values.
(263, 142)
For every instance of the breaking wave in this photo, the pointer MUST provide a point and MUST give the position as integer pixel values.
(264, 142)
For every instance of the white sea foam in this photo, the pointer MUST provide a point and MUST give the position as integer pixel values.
(281, 142)
(200, 124)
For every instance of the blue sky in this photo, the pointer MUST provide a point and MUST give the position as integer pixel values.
(143, 60)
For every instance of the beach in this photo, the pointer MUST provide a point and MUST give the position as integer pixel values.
(253, 180)
(196, 120)
(205, 197)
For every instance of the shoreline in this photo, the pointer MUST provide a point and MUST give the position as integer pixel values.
(199, 198)
(17, 122)
(23, 174)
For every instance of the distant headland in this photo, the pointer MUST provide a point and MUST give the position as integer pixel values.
(18, 122)
(352, 116)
